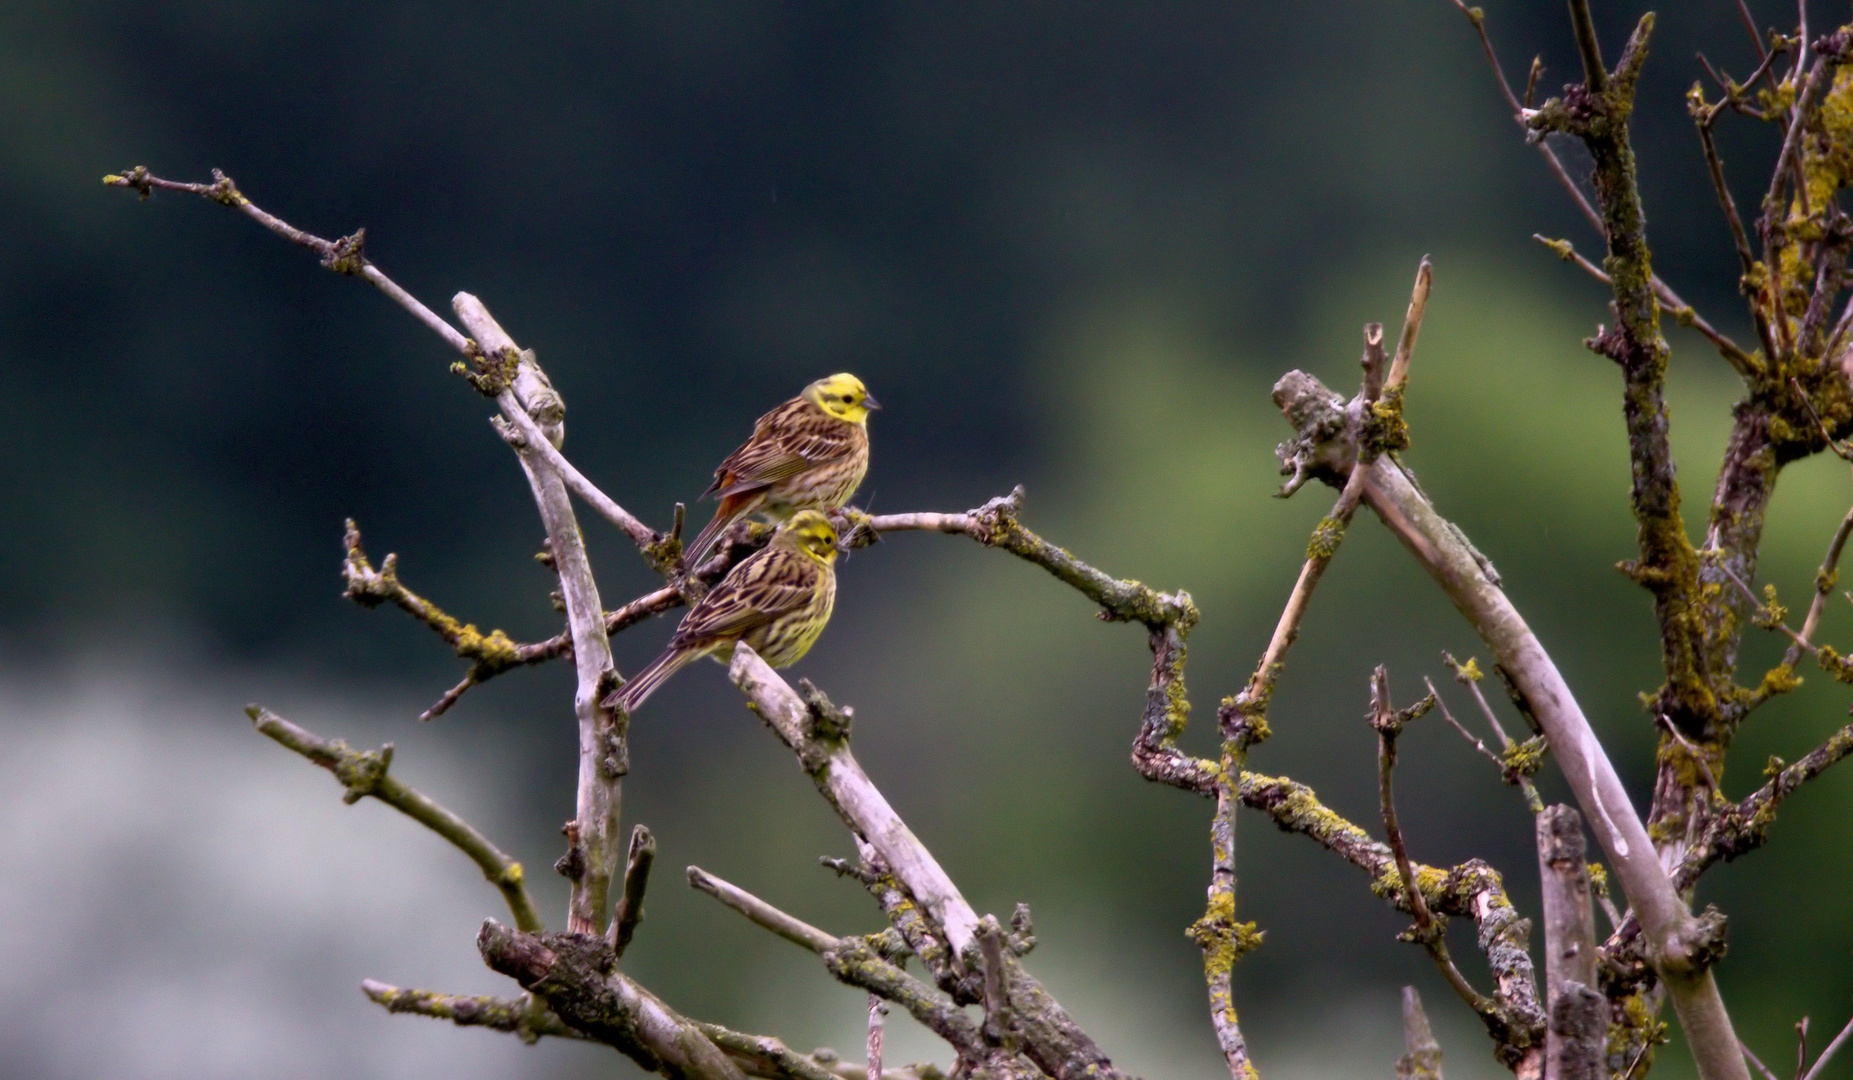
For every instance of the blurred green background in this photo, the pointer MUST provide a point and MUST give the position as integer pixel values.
(1070, 245)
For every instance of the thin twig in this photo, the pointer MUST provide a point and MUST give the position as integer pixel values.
(1682, 313)
(1841, 450)
(1412, 326)
(1472, 739)
(1756, 36)
(1665, 723)
(1824, 580)
(364, 773)
(521, 1016)
(1380, 384)
(1757, 601)
(345, 256)
(792, 929)
(1829, 1051)
(1388, 723)
(995, 524)
(851, 960)
(1468, 675)
(1754, 1060)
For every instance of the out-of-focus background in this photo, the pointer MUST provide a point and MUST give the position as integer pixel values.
(1068, 245)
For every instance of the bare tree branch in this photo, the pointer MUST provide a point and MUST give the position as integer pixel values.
(345, 256)
(817, 732)
(577, 977)
(855, 961)
(520, 1016)
(1428, 931)
(1678, 945)
(794, 930)
(995, 525)
(363, 773)
(1824, 580)
(592, 857)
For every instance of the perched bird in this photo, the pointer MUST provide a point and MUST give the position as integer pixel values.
(808, 454)
(777, 600)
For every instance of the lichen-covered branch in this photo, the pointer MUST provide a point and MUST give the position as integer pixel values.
(1167, 711)
(1471, 890)
(1682, 313)
(1597, 113)
(1522, 114)
(995, 524)
(519, 1016)
(1742, 827)
(490, 654)
(1388, 722)
(577, 977)
(364, 773)
(1679, 946)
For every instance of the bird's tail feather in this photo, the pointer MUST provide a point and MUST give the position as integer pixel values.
(632, 694)
(723, 517)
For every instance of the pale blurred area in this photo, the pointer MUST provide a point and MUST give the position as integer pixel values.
(1068, 246)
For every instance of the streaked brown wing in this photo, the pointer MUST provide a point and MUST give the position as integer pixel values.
(786, 441)
(771, 583)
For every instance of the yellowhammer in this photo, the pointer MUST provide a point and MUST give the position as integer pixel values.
(808, 454)
(777, 601)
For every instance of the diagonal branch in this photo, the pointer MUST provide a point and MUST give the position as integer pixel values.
(824, 754)
(1744, 364)
(363, 773)
(346, 256)
(1471, 890)
(593, 852)
(854, 961)
(1824, 580)
(1428, 931)
(817, 731)
(1677, 944)
(577, 977)
(519, 1016)
(995, 524)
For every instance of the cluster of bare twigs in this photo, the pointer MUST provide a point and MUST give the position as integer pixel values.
(1597, 1013)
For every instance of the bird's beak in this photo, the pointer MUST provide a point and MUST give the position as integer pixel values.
(869, 402)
